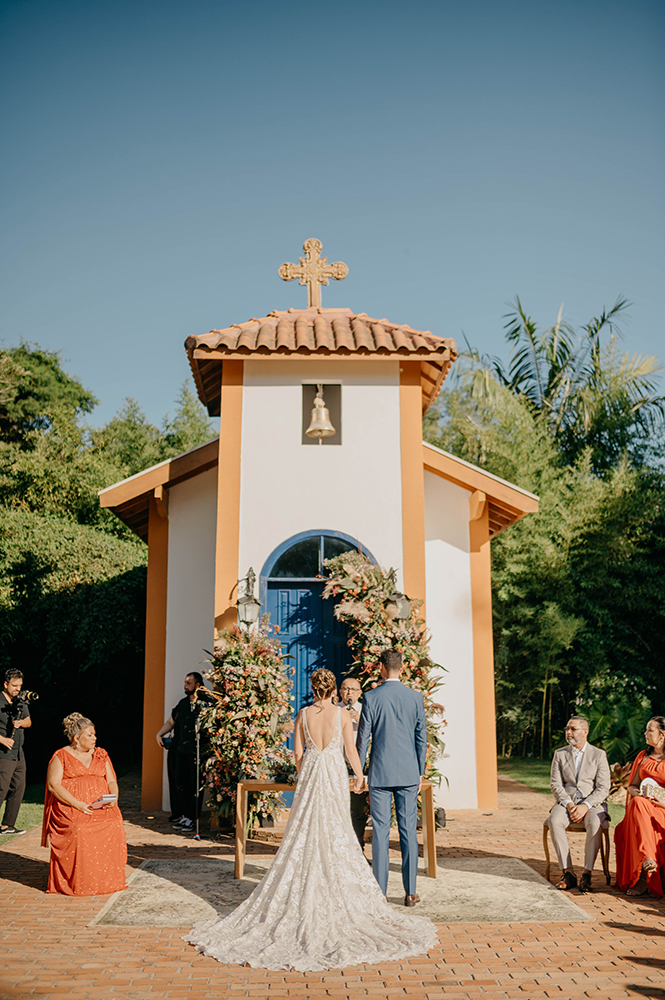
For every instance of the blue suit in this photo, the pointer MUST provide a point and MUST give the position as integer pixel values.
(393, 716)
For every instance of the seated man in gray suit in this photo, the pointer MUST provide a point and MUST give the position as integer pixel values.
(580, 783)
(393, 716)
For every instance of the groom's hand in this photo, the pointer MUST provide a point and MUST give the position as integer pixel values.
(358, 785)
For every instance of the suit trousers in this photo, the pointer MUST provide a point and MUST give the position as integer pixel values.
(558, 822)
(12, 788)
(406, 809)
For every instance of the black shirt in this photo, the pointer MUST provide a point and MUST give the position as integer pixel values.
(9, 712)
(184, 716)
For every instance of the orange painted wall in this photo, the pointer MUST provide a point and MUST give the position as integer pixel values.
(155, 654)
(483, 654)
(228, 495)
(413, 480)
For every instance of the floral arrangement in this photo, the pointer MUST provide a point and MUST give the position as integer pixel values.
(363, 589)
(250, 722)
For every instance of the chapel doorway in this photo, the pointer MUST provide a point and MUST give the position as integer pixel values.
(309, 632)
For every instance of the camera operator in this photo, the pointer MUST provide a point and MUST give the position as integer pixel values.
(14, 720)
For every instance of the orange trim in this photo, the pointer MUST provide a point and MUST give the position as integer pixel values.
(177, 469)
(413, 481)
(471, 478)
(483, 652)
(228, 495)
(155, 657)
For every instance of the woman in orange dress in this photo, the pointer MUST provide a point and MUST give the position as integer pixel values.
(640, 837)
(88, 846)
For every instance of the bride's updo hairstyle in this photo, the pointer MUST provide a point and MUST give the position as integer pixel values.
(324, 684)
(74, 724)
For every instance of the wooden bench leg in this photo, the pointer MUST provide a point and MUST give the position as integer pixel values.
(429, 829)
(241, 829)
(546, 845)
(605, 855)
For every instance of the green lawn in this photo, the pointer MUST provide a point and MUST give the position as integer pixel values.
(31, 811)
(536, 774)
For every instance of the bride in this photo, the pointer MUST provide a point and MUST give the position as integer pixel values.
(319, 906)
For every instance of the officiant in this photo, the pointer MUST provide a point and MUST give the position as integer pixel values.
(351, 693)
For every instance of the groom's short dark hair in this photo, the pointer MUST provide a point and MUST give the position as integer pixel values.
(392, 660)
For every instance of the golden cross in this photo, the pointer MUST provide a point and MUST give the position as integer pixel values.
(314, 271)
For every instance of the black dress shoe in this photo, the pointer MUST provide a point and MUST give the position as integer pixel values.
(411, 900)
(568, 881)
(585, 882)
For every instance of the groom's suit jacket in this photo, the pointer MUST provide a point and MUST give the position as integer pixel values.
(393, 716)
(591, 786)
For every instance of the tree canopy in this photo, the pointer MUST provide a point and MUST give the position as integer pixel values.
(72, 576)
(578, 589)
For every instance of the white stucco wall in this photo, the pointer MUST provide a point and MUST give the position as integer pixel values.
(288, 487)
(191, 588)
(449, 619)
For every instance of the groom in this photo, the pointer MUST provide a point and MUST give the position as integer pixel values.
(393, 716)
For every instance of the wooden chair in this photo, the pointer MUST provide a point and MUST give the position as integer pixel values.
(580, 828)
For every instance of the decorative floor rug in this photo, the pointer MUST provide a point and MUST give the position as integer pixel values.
(171, 893)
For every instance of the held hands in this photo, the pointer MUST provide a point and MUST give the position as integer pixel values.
(358, 784)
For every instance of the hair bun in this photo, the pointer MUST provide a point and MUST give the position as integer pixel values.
(74, 724)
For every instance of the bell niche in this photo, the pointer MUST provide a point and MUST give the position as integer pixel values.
(322, 414)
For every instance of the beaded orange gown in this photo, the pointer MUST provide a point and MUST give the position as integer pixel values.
(88, 853)
(641, 833)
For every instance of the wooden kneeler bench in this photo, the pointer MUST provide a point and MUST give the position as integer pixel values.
(243, 787)
(580, 828)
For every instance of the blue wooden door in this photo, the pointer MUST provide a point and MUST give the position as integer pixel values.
(309, 632)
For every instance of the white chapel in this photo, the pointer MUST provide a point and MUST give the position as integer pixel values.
(267, 495)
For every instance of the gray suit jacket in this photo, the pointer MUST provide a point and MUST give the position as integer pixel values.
(592, 786)
(393, 716)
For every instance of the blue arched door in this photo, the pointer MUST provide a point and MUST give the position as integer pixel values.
(292, 585)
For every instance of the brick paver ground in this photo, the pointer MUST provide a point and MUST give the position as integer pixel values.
(50, 952)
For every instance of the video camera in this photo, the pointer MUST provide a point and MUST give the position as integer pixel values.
(22, 698)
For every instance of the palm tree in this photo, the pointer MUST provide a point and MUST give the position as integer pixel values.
(590, 393)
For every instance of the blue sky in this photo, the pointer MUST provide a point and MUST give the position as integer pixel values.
(161, 160)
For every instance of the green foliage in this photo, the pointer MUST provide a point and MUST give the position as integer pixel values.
(72, 576)
(591, 394)
(129, 440)
(189, 427)
(249, 725)
(72, 602)
(578, 589)
(38, 394)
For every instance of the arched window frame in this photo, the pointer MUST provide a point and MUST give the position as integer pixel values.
(270, 562)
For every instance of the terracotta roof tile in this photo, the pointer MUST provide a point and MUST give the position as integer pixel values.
(318, 332)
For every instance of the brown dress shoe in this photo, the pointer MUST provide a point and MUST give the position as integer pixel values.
(411, 900)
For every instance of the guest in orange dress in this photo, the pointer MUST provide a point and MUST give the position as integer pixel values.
(88, 846)
(640, 837)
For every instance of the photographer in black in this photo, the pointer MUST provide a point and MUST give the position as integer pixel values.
(14, 720)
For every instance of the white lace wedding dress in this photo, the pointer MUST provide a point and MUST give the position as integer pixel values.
(319, 906)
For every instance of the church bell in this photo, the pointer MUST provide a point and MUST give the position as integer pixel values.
(320, 425)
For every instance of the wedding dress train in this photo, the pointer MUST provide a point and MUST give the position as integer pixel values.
(319, 906)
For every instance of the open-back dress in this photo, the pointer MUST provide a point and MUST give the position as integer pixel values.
(319, 906)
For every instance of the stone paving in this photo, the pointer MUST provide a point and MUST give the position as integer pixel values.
(49, 951)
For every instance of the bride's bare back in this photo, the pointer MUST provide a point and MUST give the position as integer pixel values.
(322, 722)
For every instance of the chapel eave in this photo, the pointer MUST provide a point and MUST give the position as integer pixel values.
(130, 498)
(322, 335)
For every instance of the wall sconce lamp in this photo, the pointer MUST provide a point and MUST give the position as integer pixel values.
(398, 607)
(249, 607)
